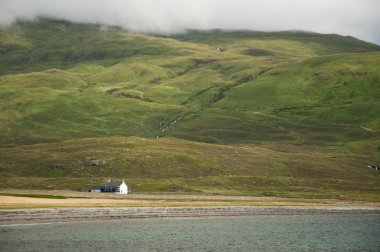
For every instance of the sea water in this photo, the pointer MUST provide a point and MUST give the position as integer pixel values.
(254, 233)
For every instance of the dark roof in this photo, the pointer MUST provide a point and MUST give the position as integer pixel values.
(98, 187)
(113, 184)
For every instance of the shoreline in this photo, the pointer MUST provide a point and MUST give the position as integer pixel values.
(44, 215)
(30, 199)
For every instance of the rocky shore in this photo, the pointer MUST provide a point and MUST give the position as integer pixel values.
(47, 215)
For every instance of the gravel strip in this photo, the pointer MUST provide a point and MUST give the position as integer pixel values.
(81, 214)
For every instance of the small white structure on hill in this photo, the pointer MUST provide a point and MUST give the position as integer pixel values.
(123, 188)
(116, 187)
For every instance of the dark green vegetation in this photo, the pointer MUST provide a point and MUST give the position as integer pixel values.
(45, 196)
(280, 114)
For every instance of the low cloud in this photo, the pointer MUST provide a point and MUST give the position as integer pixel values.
(359, 18)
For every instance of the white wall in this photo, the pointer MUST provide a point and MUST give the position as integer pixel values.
(123, 188)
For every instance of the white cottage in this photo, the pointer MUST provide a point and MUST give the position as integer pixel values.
(123, 188)
(116, 187)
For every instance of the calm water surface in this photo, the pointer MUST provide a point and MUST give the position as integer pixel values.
(258, 233)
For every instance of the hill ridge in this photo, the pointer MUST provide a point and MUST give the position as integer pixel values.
(226, 107)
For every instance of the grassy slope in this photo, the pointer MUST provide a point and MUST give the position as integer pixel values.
(321, 43)
(318, 100)
(170, 164)
(83, 83)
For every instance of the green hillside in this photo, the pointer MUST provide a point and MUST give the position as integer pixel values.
(206, 111)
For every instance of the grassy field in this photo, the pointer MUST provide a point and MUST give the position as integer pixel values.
(19, 200)
(288, 114)
(172, 165)
(39, 196)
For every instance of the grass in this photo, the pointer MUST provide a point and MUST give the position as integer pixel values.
(82, 199)
(172, 165)
(42, 196)
(289, 114)
(321, 43)
(140, 93)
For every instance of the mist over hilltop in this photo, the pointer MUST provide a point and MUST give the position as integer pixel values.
(359, 18)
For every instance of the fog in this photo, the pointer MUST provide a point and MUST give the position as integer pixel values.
(359, 18)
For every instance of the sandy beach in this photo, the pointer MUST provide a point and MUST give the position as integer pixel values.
(13, 199)
(77, 206)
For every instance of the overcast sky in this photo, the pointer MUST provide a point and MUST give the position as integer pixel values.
(359, 18)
